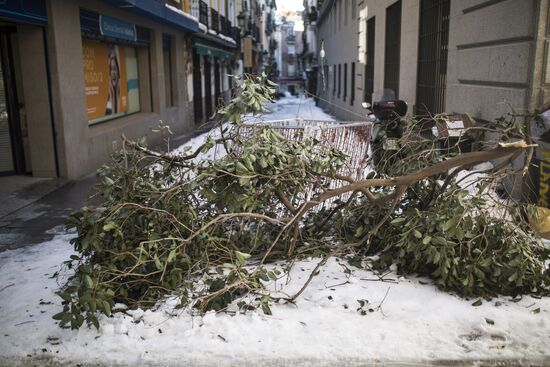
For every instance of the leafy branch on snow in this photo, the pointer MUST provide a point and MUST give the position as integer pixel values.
(209, 232)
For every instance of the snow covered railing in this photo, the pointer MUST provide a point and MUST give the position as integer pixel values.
(350, 137)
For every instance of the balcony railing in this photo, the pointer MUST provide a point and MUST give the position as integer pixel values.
(203, 12)
(214, 20)
(236, 35)
(225, 26)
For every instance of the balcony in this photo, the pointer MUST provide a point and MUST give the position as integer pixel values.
(236, 35)
(225, 26)
(214, 20)
(203, 13)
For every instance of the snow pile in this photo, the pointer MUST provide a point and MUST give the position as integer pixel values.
(410, 321)
(290, 107)
(181, 12)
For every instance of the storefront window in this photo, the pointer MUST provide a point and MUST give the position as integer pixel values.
(111, 79)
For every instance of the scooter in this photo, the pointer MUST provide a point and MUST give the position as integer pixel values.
(387, 129)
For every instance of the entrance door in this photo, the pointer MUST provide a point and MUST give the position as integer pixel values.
(197, 87)
(207, 88)
(392, 56)
(12, 159)
(432, 56)
(217, 83)
(369, 66)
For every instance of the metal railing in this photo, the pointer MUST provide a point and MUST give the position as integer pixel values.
(214, 20)
(203, 12)
(236, 35)
(225, 26)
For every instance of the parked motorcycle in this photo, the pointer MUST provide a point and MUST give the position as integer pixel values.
(386, 115)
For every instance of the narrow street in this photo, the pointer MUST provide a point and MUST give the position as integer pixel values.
(408, 328)
(389, 207)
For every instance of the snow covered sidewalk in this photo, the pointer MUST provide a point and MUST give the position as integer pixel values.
(410, 323)
(347, 316)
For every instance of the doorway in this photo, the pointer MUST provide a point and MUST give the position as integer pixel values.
(197, 87)
(433, 45)
(392, 56)
(12, 156)
(207, 87)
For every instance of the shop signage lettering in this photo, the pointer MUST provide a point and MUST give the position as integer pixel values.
(116, 28)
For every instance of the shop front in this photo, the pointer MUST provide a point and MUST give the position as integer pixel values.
(212, 70)
(27, 143)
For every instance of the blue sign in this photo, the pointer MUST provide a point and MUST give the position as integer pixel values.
(111, 27)
(32, 11)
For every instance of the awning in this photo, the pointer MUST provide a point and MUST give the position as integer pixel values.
(158, 11)
(31, 11)
(212, 51)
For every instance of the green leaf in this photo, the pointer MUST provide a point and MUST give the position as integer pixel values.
(266, 309)
(451, 223)
(398, 220)
(109, 227)
(477, 303)
(59, 316)
(536, 310)
(158, 264)
(88, 282)
(417, 234)
(241, 257)
(489, 321)
(171, 255)
(107, 308)
(427, 240)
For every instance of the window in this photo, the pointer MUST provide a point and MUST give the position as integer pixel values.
(369, 66)
(334, 84)
(325, 80)
(345, 81)
(393, 48)
(339, 79)
(340, 13)
(346, 13)
(352, 94)
(168, 76)
(111, 80)
(431, 82)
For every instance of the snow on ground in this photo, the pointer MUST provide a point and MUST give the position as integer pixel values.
(412, 322)
(291, 107)
(415, 322)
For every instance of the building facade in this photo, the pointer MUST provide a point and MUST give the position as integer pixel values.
(309, 57)
(465, 56)
(77, 75)
(215, 53)
(291, 44)
(256, 20)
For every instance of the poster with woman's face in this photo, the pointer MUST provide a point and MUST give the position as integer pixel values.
(105, 79)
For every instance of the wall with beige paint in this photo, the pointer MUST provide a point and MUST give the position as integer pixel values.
(346, 43)
(84, 148)
(498, 54)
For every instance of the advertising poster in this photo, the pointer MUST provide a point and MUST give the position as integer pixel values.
(105, 77)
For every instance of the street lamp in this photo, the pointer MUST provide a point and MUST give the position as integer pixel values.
(241, 18)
